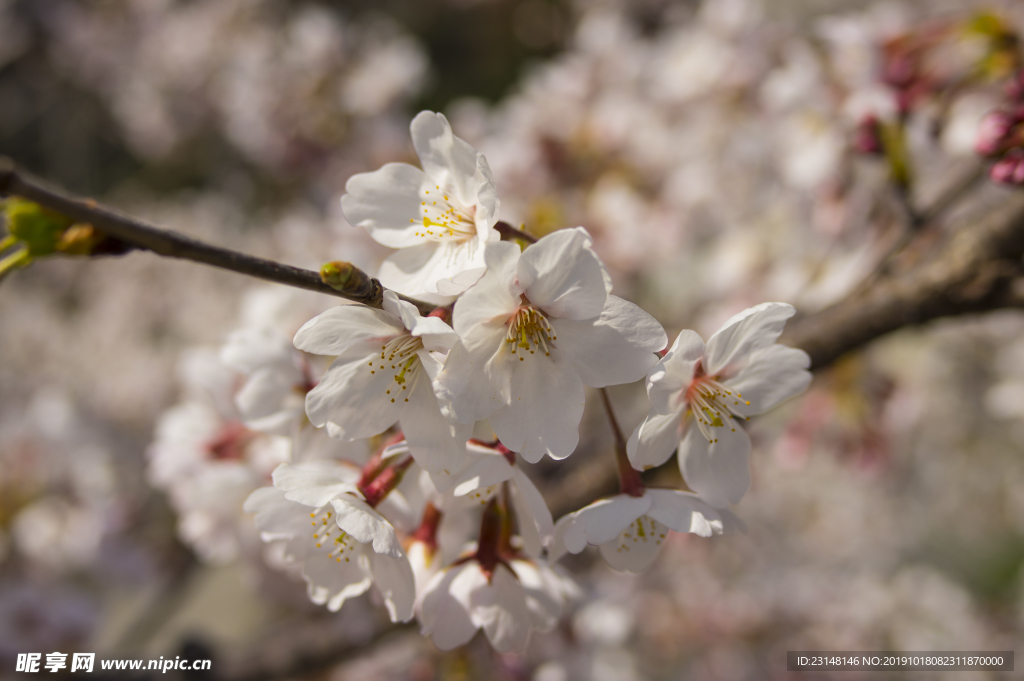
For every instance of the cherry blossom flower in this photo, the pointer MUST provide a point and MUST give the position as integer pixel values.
(271, 400)
(439, 217)
(382, 375)
(347, 545)
(539, 325)
(479, 479)
(629, 530)
(699, 393)
(507, 601)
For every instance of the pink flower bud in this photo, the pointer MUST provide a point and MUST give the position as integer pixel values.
(868, 138)
(993, 132)
(1009, 169)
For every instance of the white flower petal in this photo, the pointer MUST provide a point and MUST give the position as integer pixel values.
(654, 440)
(358, 519)
(636, 547)
(459, 283)
(434, 442)
(616, 347)
(563, 276)
(414, 271)
(394, 578)
(492, 301)
(604, 520)
(544, 410)
(347, 331)
(718, 472)
(437, 336)
(254, 348)
(447, 160)
(500, 610)
(745, 333)
(536, 528)
(275, 516)
(476, 382)
(684, 512)
(486, 196)
(386, 203)
(483, 471)
(773, 375)
(264, 392)
(353, 398)
(333, 582)
(445, 606)
(669, 379)
(315, 483)
(559, 547)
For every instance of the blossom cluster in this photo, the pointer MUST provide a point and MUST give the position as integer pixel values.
(441, 521)
(706, 153)
(1001, 136)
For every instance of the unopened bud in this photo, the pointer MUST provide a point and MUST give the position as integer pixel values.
(79, 240)
(868, 139)
(338, 274)
(1009, 169)
(347, 278)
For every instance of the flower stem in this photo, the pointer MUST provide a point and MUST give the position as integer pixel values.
(426, 533)
(489, 544)
(385, 482)
(629, 478)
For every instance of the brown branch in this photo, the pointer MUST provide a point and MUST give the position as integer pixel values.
(15, 182)
(979, 270)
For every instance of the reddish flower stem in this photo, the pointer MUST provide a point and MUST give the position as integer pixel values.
(629, 478)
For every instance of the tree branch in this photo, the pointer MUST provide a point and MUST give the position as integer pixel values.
(979, 270)
(15, 182)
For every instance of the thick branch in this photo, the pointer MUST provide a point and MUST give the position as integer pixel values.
(979, 270)
(15, 182)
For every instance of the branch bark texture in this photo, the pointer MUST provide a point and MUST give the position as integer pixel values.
(979, 270)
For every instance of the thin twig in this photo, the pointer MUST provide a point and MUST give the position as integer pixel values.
(15, 182)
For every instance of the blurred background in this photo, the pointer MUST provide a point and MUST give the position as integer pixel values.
(722, 153)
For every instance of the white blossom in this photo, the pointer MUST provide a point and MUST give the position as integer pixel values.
(507, 601)
(539, 325)
(439, 217)
(630, 531)
(480, 478)
(347, 545)
(700, 393)
(382, 375)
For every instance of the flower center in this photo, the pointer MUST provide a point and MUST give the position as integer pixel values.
(327, 532)
(642, 530)
(399, 357)
(529, 331)
(713, 405)
(444, 219)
